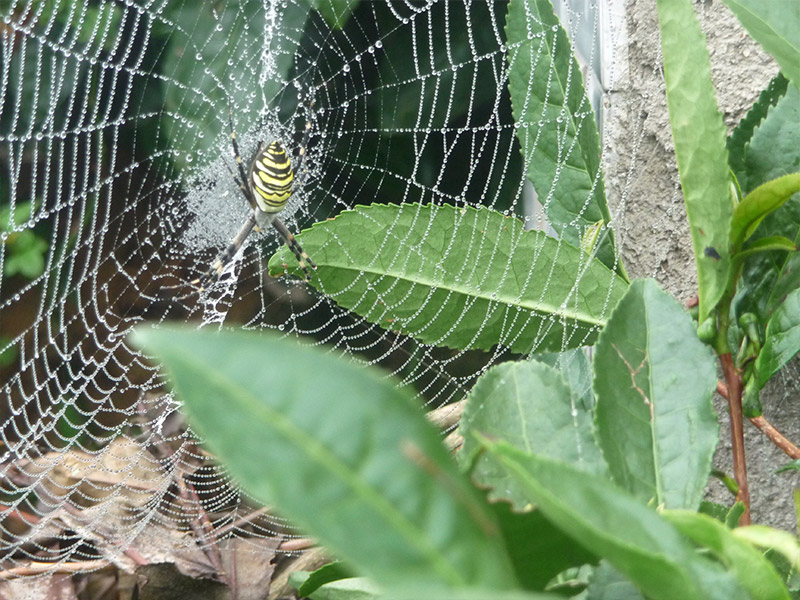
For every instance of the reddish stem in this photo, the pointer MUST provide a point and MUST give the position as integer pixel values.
(775, 436)
(734, 384)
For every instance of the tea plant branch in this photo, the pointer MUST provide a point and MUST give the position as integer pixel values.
(733, 380)
(767, 428)
(776, 437)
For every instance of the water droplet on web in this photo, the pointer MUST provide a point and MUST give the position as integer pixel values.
(346, 68)
(379, 44)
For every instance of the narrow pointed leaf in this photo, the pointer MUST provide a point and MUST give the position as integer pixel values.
(340, 451)
(557, 129)
(746, 563)
(613, 525)
(782, 340)
(529, 405)
(653, 383)
(699, 135)
(463, 278)
(774, 25)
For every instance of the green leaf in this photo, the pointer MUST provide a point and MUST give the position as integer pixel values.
(699, 135)
(26, 255)
(734, 514)
(576, 368)
(776, 26)
(746, 563)
(653, 384)
(609, 584)
(458, 277)
(339, 450)
(206, 48)
(335, 12)
(792, 466)
(529, 405)
(782, 339)
(539, 551)
(556, 125)
(779, 541)
(714, 510)
(613, 525)
(354, 588)
(772, 150)
(325, 574)
(767, 277)
(418, 100)
(743, 133)
(759, 203)
(416, 593)
(767, 244)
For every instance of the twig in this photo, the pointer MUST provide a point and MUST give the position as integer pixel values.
(734, 388)
(39, 568)
(775, 436)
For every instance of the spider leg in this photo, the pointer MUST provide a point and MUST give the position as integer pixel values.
(226, 255)
(302, 258)
(222, 260)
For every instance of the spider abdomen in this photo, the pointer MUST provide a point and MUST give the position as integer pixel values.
(271, 178)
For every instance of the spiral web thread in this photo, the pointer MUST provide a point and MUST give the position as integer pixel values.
(116, 187)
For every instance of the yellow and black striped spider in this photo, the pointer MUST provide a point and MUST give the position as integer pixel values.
(267, 186)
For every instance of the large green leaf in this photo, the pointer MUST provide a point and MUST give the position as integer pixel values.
(557, 128)
(615, 526)
(746, 563)
(458, 277)
(529, 405)
(776, 26)
(653, 382)
(339, 450)
(699, 135)
(782, 339)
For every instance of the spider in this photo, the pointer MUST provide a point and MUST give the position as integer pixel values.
(267, 186)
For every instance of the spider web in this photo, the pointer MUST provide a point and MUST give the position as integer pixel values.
(117, 191)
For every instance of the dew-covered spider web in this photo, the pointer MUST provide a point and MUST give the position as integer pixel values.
(118, 190)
